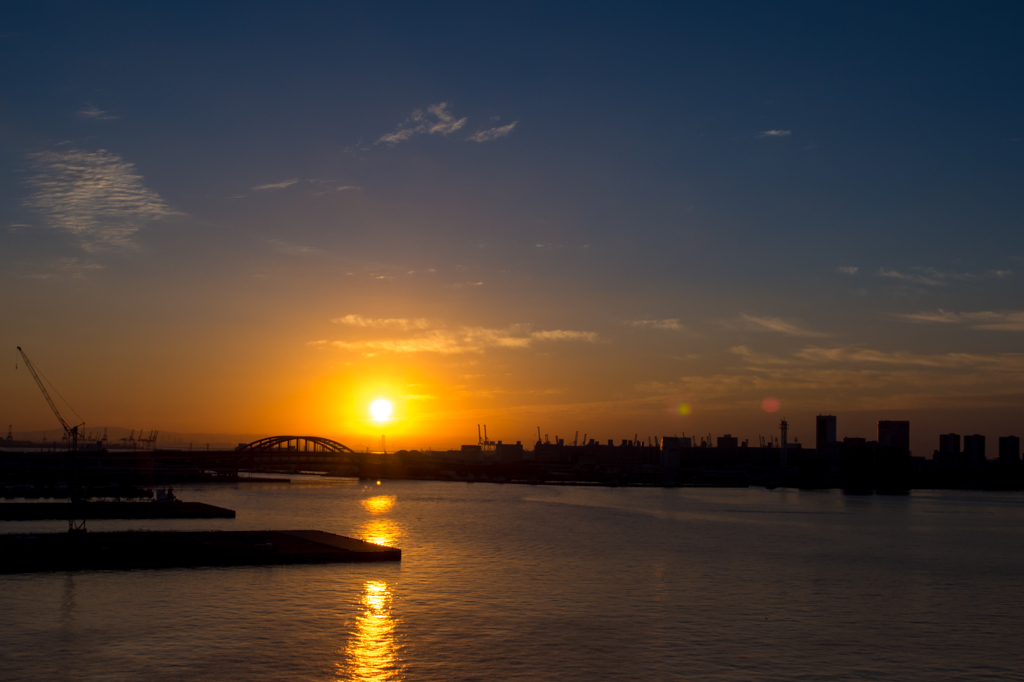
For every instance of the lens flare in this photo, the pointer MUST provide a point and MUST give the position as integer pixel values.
(684, 409)
(381, 410)
(770, 404)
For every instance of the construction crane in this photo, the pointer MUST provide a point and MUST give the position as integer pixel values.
(70, 432)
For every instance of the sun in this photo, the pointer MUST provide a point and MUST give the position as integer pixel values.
(381, 410)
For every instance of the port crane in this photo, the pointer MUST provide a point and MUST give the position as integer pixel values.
(70, 432)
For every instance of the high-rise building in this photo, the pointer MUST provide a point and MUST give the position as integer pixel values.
(1009, 449)
(824, 430)
(949, 443)
(974, 449)
(894, 434)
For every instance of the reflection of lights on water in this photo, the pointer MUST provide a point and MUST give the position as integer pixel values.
(372, 651)
(379, 504)
(381, 532)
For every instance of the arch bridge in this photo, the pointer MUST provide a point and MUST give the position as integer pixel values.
(296, 453)
(295, 444)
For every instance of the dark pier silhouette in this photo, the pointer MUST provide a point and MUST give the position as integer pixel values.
(32, 553)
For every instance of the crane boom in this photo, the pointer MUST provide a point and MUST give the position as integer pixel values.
(70, 431)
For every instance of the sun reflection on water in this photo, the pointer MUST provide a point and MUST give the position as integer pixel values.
(379, 504)
(372, 651)
(381, 532)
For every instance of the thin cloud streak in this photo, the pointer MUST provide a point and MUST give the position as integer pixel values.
(775, 324)
(432, 338)
(275, 185)
(97, 114)
(493, 133)
(989, 320)
(656, 324)
(933, 277)
(381, 323)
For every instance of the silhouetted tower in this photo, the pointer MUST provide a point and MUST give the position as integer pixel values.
(949, 443)
(10, 432)
(974, 448)
(1009, 448)
(824, 430)
(894, 434)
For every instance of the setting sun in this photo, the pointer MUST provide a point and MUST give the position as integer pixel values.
(381, 410)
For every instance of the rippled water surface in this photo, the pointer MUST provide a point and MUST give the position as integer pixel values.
(503, 582)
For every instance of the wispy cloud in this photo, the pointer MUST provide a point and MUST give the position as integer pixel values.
(381, 323)
(321, 186)
(96, 114)
(432, 338)
(1003, 361)
(564, 335)
(97, 196)
(925, 276)
(656, 324)
(848, 269)
(988, 319)
(294, 249)
(933, 277)
(775, 133)
(275, 185)
(492, 133)
(817, 378)
(775, 324)
(436, 119)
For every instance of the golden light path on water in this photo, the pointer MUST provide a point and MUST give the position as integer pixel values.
(381, 532)
(371, 652)
(379, 504)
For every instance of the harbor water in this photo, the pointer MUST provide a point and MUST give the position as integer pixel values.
(552, 583)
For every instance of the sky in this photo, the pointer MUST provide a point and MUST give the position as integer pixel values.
(617, 219)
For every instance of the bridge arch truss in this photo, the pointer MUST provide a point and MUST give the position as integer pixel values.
(295, 444)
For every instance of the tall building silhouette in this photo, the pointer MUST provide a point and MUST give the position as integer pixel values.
(824, 430)
(894, 434)
(949, 443)
(1009, 449)
(974, 449)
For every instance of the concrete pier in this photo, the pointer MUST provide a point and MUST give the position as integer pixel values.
(38, 552)
(89, 511)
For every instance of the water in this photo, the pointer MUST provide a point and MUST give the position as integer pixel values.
(521, 582)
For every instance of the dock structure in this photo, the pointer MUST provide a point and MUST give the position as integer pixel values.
(41, 552)
(95, 511)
